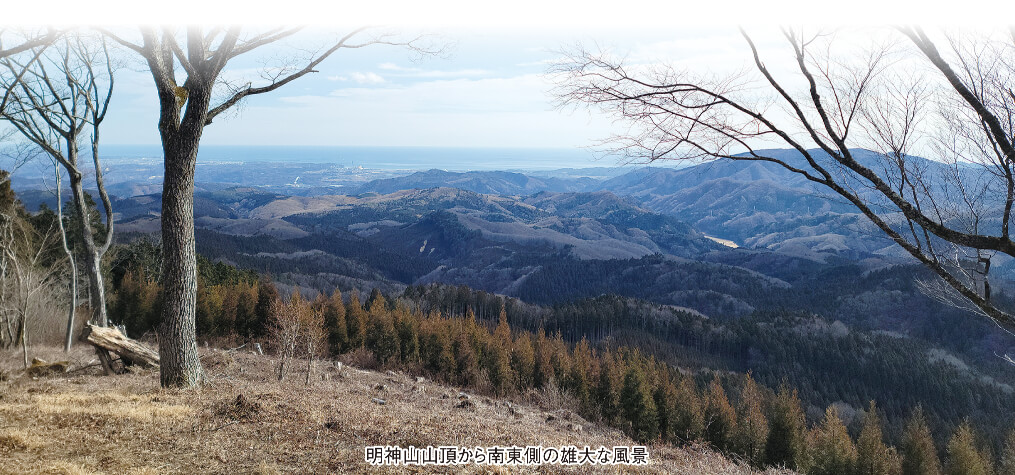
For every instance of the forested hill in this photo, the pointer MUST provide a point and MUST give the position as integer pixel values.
(811, 294)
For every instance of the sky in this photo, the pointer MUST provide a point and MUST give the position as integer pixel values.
(489, 90)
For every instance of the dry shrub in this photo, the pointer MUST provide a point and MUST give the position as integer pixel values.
(551, 398)
(360, 358)
(66, 468)
(265, 468)
(296, 331)
(241, 408)
(218, 360)
(15, 440)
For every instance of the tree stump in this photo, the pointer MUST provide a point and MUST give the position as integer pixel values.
(131, 352)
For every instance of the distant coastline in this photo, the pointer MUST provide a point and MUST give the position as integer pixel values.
(384, 158)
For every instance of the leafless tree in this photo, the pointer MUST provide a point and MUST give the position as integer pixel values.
(13, 44)
(72, 281)
(57, 99)
(22, 277)
(187, 106)
(284, 329)
(296, 330)
(898, 98)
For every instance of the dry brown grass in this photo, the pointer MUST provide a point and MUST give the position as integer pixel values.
(245, 422)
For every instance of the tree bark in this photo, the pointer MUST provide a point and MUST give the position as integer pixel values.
(177, 333)
(92, 257)
(73, 283)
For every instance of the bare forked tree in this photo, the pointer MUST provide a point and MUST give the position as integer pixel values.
(13, 44)
(60, 98)
(187, 67)
(856, 119)
(22, 277)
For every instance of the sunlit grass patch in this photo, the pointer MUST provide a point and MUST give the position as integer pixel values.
(17, 440)
(67, 468)
(112, 405)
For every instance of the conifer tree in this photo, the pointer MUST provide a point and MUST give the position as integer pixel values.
(523, 361)
(720, 418)
(786, 438)
(381, 337)
(466, 359)
(963, 456)
(246, 309)
(543, 369)
(873, 456)
(503, 331)
(436, 346)
(498, 356)
(689, 421)
(406, 325)
(608, 388)
(639, 408)
(375, 298)
(752, 426)
(267, 295)
(209, 309)
(334, 320)
(665, 397)
(560, 359)
(919, 456)
(832, 451)
(583, 368)
(230, 301)
(1008, 454)
(355, 320)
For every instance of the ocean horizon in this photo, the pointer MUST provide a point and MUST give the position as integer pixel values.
(383, 158)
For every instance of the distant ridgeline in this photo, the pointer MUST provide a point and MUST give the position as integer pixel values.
(625, 258)
(753, 386)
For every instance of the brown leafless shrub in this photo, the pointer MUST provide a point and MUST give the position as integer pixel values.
(296, 330)
(360, 358)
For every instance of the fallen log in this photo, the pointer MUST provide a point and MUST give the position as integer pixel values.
(132, 352)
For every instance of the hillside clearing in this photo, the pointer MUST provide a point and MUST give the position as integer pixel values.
(245, 422)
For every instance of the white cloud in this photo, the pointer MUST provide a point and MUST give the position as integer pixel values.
(506, 112)
(367, 78)
(433, 73)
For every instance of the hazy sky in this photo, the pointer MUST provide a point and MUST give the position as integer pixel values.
(491, 89)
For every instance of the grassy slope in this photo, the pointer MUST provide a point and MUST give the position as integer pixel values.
(83, 422)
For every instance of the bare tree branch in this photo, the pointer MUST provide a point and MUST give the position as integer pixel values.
(676, 115)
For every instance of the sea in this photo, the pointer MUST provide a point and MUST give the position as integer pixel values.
(385, 158)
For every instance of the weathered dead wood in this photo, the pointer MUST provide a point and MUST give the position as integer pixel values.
(42, 368)
(132, 352)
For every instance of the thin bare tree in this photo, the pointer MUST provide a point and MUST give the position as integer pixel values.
(22, 248)
(59, 100)
(187, 105)
(13, 44)
(838, 104)
(72, 280)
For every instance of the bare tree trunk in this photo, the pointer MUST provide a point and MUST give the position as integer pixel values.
(310, 366)
(73, 299)
(281, 367)
(177, 333)
(96, 290)
(70, 258)
(92, 257)
(24, 333)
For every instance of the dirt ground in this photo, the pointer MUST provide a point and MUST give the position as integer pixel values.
(244, 421)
